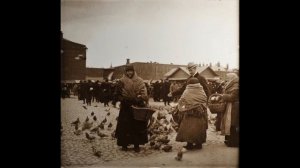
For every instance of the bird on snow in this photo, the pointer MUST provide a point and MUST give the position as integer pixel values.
(179, 155)
(95, 118)
(110, 125)
(92, 114)
(96, 152)
(94, 130)
(77, 132)
(152, 143)
(101, 126)
(167, 148)
(113, 134)
(89, 137)
(76, 122)
(104, 121)
(84, 107)
(100, 134)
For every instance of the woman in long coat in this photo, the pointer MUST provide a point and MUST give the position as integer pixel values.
(131, 91)
(230, 120)
(192, 105)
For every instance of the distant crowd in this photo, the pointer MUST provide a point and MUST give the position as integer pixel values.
(102, 92)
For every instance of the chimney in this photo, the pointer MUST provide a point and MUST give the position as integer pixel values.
(127, 61)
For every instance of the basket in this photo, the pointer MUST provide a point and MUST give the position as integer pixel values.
(142, 113)
(216, 107)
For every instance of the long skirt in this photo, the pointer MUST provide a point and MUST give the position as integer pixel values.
(192, 129)
(130, 131)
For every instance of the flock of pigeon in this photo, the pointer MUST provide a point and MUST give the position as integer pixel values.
(92, 128)
(160, 127)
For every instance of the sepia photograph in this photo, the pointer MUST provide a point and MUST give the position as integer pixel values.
(149, 83)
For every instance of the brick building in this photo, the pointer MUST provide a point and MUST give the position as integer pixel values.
(73, 60)
(94, 74)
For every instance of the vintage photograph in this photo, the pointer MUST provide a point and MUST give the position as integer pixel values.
(149, 83)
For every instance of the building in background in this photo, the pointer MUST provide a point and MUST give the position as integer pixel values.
(94, 74)
(73, 60)
(182, 73)
(149, 71)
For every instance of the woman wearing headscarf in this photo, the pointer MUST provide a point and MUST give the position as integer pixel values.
(230, 120)
(192, 106)
(131, 90)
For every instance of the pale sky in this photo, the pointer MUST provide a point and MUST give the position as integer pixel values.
(163, 31)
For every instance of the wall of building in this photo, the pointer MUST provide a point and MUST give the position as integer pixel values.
(147, 71)
(72, 69)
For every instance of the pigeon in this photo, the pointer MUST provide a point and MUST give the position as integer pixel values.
(76, 122)
(77, 132)
(89, 137)
(87, 125)
(153, 137)
(152, 143)
(107, 109)
(95, 118)
(92, 114)
(96, 152)
(179, 155)
(110, 125)
(113, 134)
(167, 148)
(95, 106)
(108, 114)
(87, 119)
(165, 141)
(94, 130)
(104, 121)
(157, 146)
(84, 107)
(76, 127)
(101, 126)
(100, 134)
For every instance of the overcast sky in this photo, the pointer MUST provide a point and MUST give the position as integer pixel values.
(163, 31)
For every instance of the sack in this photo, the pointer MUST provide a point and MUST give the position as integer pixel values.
(142, 113)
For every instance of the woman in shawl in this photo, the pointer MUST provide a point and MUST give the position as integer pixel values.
(230, 120)
(131, 91)
(192, 105)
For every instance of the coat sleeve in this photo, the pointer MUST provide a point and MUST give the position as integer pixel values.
(231, 97)
(203, 83)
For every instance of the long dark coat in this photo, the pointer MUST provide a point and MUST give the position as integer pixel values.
(130, 131)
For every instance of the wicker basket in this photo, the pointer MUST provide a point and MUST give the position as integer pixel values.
(216, 107)
(142, 113)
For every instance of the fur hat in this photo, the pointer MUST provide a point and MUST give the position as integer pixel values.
(191, 65)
